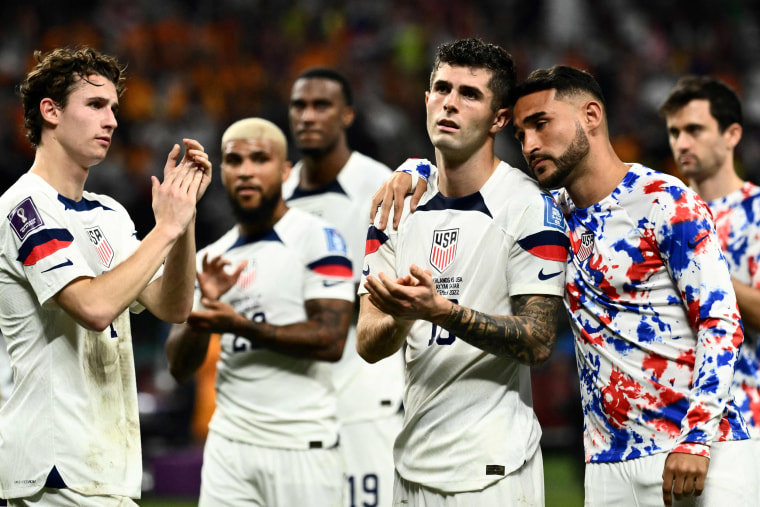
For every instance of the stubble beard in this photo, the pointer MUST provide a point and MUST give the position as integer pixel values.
(566, 162)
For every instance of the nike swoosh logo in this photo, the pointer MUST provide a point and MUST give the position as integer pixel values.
(693, 244)
(365, 272)
(61, 265)
(542, 276)
(328, 283)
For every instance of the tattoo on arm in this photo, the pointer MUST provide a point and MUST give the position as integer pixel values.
(527, 336)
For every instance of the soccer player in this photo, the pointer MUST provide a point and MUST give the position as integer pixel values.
(70, 267)
(336, 183)
(652, 308)
(704, 122)
(277, 286)
(472, 282)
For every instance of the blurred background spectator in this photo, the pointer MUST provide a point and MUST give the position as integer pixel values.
(195, 66)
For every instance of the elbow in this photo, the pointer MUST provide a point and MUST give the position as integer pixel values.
(334, 353)
(177, 373)
(180, 313)
(365, 352)
(96, 321)
(541, 356)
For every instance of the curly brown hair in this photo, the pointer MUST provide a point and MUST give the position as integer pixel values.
(55, 76)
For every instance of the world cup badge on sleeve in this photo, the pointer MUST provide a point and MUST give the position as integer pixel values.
(444, 248)
(102, 247)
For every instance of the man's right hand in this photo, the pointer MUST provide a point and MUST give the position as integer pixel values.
(175, 197)
(392, 193)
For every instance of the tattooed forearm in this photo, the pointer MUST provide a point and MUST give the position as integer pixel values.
(527, 336)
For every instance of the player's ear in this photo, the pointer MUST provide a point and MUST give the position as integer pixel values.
(501, 119)
(733, 135)
(593, 114)
(347, 117)
(49, 110)
(287, 165)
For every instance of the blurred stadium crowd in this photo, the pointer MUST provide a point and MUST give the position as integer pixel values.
(195, 66)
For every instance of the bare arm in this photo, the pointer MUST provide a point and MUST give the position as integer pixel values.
(170, 298)
(378, 335)
(322, 336)
(748, 299)
(527, 336)
(186, 349)
(96, 302)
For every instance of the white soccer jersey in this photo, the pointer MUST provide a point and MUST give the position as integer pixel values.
(264, 397)
(365, 391)
(737, 221)
(655, 321)
(469, 417)
(74, 403)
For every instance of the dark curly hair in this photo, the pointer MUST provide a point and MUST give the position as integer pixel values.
(55, 76)
(481, 55)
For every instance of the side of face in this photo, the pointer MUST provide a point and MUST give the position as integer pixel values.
(253, 170)
(459, 113)
(85, 125)
(551, 136)
(699, 148)
(319, 115)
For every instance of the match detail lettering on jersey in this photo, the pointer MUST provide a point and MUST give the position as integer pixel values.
(42, 244)
(552, 214)
(444, 248)
(25, 218)
(102, 246)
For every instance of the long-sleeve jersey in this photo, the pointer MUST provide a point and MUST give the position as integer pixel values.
(737, 221)
(655, 321)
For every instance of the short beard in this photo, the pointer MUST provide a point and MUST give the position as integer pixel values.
(260, 215)
(566, 162)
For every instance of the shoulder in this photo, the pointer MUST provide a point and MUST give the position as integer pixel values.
(362, 171)
(308, 233)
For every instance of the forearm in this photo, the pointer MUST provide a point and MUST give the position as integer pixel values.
(527, 337)
(96, 302)
(306, 340)
(378, 335)
(186, 349)
(173, 299)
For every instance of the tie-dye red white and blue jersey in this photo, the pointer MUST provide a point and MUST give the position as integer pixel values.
(469, 417)
(655, 321)
(737, 220)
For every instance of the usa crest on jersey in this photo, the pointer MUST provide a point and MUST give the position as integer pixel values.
(102, 247)
(444, 248)
(586, 246)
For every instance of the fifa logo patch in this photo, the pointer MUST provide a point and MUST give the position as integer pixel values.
(102, 246)
(586, 246)
(444, 248)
